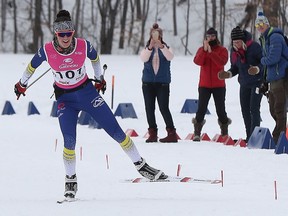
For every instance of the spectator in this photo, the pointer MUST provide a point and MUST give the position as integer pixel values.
(275, 64)
(156, 84)
(211, 57)
(245, 59)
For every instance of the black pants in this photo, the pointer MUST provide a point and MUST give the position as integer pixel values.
(161, 92)
(250, 107)
(219, 100)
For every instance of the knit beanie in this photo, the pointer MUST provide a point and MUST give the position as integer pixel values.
(211, 31)
(156, 27)
(261, 19)
(237, 34)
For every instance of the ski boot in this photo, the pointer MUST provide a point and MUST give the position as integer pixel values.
(70, 186)
(149, 172)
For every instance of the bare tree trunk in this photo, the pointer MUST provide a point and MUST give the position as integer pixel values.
(145, 11)
(106, 34)
(283, 14)
(222, 20)
(123, 24)
(103, 9)
(251, 12)
(37, 30)
(110, 34)
(77, 16)
(3, 18)
(131, 26)
(206, 17)
(15, 26)
(138, 10)
(49, 21)
(271, 10)
(60, 5)
(174, 18)
(82, 8)
(187, 27)
(55, 9)
(214, 15)
(157, 11)
(93, 19)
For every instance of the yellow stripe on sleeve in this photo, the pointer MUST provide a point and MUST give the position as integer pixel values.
(96, 60)
(30, 69)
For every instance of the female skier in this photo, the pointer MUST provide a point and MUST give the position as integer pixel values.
(75, 92)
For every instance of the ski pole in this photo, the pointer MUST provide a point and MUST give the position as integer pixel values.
(38, 78)
(34, 82)
(112, 93)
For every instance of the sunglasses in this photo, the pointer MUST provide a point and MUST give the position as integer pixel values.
(63, 34)
(259, 24)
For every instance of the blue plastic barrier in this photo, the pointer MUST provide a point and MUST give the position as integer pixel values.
(8, 109)
(191, 106)
(261, 138)
(282, 144)
(32, 109)
(125, 110)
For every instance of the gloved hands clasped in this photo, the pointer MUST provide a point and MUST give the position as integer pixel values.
(100, 84)
(19, 89)
(224, 75)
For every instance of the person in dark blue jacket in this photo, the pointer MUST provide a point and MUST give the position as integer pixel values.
(156, 84)
(245, 59)
(275, 64)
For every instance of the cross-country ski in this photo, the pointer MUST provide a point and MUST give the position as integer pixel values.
(64, 200)
(173, 179)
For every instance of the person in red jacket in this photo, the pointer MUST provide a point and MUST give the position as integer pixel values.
(211, 57)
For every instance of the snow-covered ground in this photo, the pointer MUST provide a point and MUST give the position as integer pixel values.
(32, 171)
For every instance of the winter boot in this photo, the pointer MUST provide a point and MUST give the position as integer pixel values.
(224, 127)
(171, 136)
(197, 129)
(149, 172)
(152, 135)
(70, 186)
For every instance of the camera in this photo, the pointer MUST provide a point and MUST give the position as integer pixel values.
(263, 89)
(155, 35)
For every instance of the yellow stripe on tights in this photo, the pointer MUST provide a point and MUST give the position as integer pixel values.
(127, 143)
(69, 154)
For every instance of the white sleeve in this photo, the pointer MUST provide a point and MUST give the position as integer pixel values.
(97, 69)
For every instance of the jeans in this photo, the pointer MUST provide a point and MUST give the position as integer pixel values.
(161, 92)
(250, 107)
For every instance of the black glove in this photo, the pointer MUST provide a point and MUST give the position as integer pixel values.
(19, 89)
(100, 85)
(263, 89)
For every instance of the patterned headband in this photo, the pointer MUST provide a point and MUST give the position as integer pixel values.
(63, 25)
